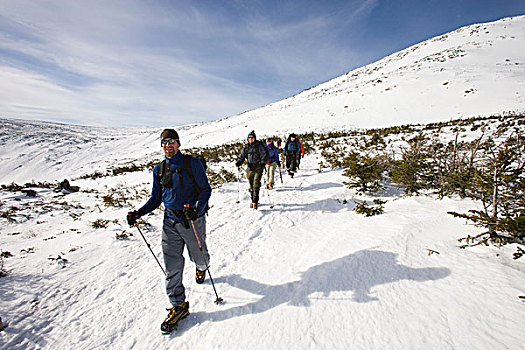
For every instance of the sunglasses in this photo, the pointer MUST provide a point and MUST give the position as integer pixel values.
(167, 142)
(251, 137)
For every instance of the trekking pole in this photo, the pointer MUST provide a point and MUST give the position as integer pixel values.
(144, 238)
(218, 300)
(280, 175)
(238, 185)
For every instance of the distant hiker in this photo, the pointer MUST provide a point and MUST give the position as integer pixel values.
(292, 151)
(272, 163)
(180, 183)
(257, 155)
(300, 155)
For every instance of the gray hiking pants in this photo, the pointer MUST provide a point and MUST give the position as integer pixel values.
(174, 237)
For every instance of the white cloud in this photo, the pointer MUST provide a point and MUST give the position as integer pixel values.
(129, 62)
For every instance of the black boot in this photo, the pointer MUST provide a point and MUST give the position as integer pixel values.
(200, 276)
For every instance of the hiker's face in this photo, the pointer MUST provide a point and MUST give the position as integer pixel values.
(170, 147)
(251, 139)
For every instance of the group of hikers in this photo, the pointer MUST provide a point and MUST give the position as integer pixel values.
(181, 185)
(260, 157)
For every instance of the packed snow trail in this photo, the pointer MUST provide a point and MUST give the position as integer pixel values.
(308, 274)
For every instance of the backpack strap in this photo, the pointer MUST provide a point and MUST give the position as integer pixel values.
(186, 165)
(163, 172)
(160, 175)
(179, 214)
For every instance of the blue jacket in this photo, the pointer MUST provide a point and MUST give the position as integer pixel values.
(273, 154)
(292, 146)
(175, 198)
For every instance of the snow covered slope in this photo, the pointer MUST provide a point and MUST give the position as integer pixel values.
(44, 151)
(477, 70)
(308, 274)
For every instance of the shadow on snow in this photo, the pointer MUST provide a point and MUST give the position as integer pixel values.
(13, 289)
(357, 273)
(312, 187)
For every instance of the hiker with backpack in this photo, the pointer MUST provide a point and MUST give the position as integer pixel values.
(292, 151)
(181, 184)
(272, 163)
(256, 153)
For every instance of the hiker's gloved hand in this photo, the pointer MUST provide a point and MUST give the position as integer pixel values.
(191, 213)
(132, 217)
(238, 163)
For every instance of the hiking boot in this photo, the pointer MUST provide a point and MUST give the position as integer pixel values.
(200, 276)
(270, 186)
(175, 314)
(254, 206)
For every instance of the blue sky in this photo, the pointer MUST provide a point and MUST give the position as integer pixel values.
(170, 62)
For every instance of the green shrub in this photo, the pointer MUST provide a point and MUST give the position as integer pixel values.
(366, 210)
(123, 235)
(364, 172)
(100, 223)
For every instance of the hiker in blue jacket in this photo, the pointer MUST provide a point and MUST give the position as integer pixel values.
(292, 151)
(181, 184)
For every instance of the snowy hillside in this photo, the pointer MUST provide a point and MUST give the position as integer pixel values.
(308, 274)
(43, 151)
(475, 70)
(304, 272)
